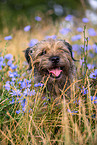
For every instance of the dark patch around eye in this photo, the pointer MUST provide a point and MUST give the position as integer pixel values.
(31, 51)
(42, 53)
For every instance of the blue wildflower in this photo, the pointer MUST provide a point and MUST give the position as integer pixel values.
(27, 28)
(68, 18)
(2, 64)
(15, 92)
(88, 47)
(94, 99)
(93, 75)
(18, 111)
(91, 55)
(84, 91)
(75, 47)
(38, 85)
(8, 37)
(53, 37)
(13, 81)
(65, 31)
(79, 29)
(25, 83)
(13, 74)
(76, 37)
(9, 63)
(85, 20)
(91, 32)
(90, 66)
(1, 58)
(81, 61)
(33, 42)
(27, 92)
(23, 104)
(13, 66)
(72, 112)
(13, 101)
(7, 85)
(95, 48)
(8, 56)
(37, 18)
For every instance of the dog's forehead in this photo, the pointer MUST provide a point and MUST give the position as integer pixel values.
(50, 44)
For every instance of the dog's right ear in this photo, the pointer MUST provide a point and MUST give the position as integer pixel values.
(28, 56)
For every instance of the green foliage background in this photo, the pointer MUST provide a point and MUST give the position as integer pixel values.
(16, 13)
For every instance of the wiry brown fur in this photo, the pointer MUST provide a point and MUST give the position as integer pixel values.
(42, 54)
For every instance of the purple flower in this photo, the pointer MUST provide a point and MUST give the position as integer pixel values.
(38, 85)
(90, 66)
(23, 104)
(8, 56)
(15, 92)
(72, 112)
(27, 28)
(13, 74)
(1, 58)
(81, 61)
(95, 48)
(65, 31)
(8, 37)
(75, 47)
(13, 66)
(53, 37)
(9, 63)
(25, 83)
(13, 101)
(94, 99)
(79, 29)
(85, 20)
(33, 42)
(76, 37)
(2, 64)
(93, 75)
(18, 111)
(68, 18)
(37, 18)
(27, 92)
(91, 32)
(7, 85)
(91, 55)
(84, 91)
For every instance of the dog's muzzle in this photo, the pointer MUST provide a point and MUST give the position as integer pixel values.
(55, 71)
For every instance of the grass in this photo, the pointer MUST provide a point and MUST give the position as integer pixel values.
(29, 118)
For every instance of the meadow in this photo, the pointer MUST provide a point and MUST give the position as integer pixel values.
(28, 118)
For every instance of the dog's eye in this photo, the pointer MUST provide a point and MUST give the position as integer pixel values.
(42, 53)
(31, 51)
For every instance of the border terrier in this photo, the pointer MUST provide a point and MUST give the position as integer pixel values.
(52, 59)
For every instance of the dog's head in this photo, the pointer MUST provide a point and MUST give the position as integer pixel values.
(52, 58)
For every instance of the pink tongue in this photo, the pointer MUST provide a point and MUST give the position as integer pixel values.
(56, 72)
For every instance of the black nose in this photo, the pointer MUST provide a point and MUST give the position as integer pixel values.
(55, 59)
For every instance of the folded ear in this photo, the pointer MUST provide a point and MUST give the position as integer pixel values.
(70, 49)
(28, 56)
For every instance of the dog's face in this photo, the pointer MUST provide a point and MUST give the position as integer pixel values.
(52, 58)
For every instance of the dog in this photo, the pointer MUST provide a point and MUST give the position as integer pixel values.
(53, 60)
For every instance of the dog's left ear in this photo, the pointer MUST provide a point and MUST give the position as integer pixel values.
(28, 57)
(70, 49)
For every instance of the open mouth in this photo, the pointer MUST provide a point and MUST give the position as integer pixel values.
(55, 72)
